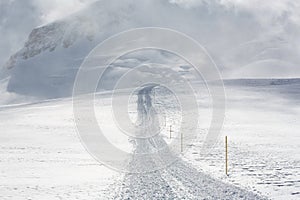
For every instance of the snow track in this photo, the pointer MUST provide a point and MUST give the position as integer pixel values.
(178, 181)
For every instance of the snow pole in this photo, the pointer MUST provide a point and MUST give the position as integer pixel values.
(170, 131)
(226, 155)
(181, 142)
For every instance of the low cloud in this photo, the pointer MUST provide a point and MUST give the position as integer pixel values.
(19, 17)
(245, 27)
(268, 12)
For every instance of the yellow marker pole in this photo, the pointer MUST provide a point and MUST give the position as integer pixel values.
(181, 142)
(226, 155)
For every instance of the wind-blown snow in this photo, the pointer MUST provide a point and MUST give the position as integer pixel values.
(48, 62)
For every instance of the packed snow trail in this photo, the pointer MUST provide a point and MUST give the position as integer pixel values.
(179, 180)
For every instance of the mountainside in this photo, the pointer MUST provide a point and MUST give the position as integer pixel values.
(47, 64)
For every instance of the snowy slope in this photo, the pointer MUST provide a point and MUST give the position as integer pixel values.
(262, 126)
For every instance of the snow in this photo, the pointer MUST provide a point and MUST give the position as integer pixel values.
(262, 127)
(42, 157)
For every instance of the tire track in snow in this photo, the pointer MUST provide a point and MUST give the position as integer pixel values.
(145, 185)
(180, 180)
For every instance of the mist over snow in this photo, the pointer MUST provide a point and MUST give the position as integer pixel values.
(152, 129)
(246, 39)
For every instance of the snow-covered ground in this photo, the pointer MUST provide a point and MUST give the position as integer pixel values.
(262, 124)
(41, 156)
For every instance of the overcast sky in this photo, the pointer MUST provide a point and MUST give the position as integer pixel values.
(19, 17)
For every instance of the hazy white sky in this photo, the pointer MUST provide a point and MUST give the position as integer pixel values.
(19, 17)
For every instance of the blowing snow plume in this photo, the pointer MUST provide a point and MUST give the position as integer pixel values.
(47, 64)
